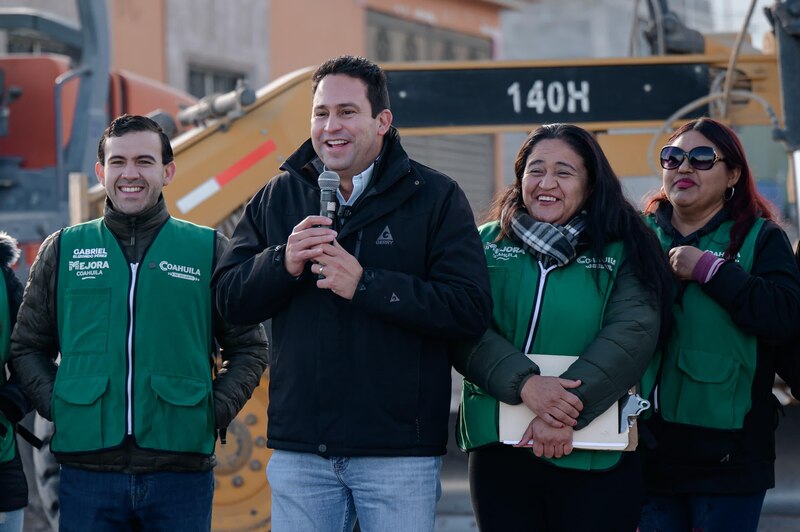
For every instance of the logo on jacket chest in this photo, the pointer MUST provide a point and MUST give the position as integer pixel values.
(385, 238)
(503, 253)
(88, 269)
(180, 271)
(85, 269)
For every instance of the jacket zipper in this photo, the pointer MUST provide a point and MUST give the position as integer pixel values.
(537, 306)
(129, 375)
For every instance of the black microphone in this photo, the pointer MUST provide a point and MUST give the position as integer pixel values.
(328, 185)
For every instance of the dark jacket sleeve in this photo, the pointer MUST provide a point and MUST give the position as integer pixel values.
(244, 353)
(618, 356)
(787, 363)
(14, 404)
(250, 280)
(764, 302)
(34, 342)
(495, 365)
(453, 299)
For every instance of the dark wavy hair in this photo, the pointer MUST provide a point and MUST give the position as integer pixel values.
(747, 204)
(610, 217)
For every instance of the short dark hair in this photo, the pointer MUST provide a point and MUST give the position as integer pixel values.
(361, 68)
(128, 123)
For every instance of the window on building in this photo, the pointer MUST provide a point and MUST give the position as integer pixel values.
(207, 80)
(382, 45)
(21, 43)
(410, 51)
(392, 38)
(448, 52)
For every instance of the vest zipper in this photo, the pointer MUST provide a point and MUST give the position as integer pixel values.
(537, 306)
(129, 376)
(656, 393)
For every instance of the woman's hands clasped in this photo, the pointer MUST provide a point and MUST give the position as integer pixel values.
(545, 440)
(549, 398)
(556, 409)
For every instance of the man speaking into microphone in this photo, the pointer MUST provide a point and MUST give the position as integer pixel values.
(362, 310)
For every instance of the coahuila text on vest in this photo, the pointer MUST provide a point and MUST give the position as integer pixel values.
(721, 254)
(190, 273)
(606, 263)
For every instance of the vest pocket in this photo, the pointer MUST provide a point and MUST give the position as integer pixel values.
(707, 386)
(183, 417)
(82, 335)
(77, 412)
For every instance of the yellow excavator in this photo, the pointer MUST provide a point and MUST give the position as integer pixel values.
(630, 103)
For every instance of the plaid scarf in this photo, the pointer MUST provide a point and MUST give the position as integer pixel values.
(549, 243)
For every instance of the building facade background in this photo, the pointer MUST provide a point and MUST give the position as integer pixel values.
(206, 46)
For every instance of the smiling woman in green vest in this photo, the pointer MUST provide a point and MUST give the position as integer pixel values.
(737, 302)
(574, 271)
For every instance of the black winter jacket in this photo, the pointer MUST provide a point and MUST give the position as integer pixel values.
(368, 376)
(764, 302)
(34, 346)
(13, 402)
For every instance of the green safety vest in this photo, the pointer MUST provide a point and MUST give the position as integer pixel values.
(572, 291)
(708, 367)
(7, 443)
(136, 341)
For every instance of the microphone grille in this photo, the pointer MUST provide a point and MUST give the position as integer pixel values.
(328, 180)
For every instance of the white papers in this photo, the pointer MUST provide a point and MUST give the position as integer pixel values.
(601, 434)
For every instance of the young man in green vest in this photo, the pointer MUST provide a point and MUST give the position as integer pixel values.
(127, 302)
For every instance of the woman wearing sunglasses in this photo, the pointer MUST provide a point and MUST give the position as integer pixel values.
(710, 457)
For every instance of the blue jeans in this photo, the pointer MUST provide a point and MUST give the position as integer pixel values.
(108, 501)
(12, 521)
(709, 513)
(315, 494)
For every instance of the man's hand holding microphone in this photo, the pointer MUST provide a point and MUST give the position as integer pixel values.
(314, 239)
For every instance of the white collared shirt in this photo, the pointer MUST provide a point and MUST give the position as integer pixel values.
(360, 183)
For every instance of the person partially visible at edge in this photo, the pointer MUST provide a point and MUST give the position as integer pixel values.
(13, 402)
(574, 271)
(362, 313)
(737, 302)
(126, 300)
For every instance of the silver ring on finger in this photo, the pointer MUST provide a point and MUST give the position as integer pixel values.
(320, 269)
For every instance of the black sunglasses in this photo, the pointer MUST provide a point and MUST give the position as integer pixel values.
(701, 157)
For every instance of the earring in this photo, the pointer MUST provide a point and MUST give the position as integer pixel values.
(727, 197)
